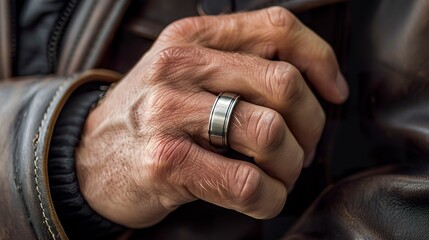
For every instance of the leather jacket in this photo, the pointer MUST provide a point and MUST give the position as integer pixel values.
(370, 178)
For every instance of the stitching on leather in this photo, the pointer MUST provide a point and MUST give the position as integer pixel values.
(79, 37)
(19, 188)
(36, 158)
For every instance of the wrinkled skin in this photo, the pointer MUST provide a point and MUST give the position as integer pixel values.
(145, 150)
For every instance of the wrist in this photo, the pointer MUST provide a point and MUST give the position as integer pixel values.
(76, 215)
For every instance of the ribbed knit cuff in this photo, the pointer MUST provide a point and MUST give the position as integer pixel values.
(76, 216)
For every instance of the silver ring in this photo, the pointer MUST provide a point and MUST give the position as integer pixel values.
(219, 118)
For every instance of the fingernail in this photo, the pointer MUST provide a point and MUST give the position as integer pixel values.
(309, 159)
(342, 86)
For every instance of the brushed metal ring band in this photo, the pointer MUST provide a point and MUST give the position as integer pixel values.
(219, 118)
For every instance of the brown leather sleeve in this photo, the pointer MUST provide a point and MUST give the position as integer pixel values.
(29, 109)
(387, 203)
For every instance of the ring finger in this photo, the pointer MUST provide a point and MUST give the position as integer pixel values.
(275, 85)
(261, 133)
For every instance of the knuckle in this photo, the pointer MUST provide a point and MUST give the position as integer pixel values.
(170, 60)
(173, 54)
(280, 17)
(246, 186)
(182, 29)
(170, 158)
(170, 111)
(267, 129)
(326, 53)
(173, 111)
(284, 83)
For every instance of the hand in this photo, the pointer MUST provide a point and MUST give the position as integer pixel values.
(145, 149)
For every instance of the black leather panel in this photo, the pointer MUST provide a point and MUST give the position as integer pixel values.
(398, 90)
(36, 21)
(389, 203)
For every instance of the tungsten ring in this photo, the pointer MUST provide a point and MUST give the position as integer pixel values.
(219, 118)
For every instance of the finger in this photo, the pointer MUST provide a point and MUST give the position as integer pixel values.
(233, 184)
(257, 132)
(269, 33)
(261, 133)
(276, 85)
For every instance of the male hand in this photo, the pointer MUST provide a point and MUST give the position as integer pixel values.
(145, 149)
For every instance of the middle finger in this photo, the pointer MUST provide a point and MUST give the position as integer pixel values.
(276, 85)
(257, 132)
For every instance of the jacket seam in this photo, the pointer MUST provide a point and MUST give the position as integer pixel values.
(36, 159)
(78, 38)
(100, 29)
(57, 34)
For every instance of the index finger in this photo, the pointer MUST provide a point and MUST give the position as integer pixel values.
(269, 33)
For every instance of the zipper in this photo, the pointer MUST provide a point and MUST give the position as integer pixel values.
(57, 34)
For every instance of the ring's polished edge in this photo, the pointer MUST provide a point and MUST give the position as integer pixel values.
(220, 116)
(231, 107)
(211, 119)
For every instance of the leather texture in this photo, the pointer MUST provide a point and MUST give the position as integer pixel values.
(149, 17)
(398, 88)
(27, 121)
(32, 104)
(209, 7)
(389, 203)
(36, 21)
(19, 128)
(91, 30)
(28, 118)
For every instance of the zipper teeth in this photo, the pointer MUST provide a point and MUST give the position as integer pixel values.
(57, 34)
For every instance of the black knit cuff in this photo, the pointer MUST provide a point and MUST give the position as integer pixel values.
(77, 218)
